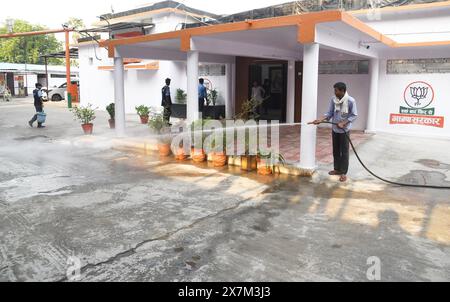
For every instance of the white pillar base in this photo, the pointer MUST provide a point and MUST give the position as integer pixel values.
(374, 71)
(290, 98)
(119, 96)
(192, 86)
(309, 106)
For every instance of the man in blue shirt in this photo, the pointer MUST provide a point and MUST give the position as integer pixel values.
(38, 105)
(343, 112)
(202, 95)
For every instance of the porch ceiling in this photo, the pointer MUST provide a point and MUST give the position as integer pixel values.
(277, 38)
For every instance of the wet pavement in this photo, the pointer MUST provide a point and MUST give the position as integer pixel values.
(127, 216)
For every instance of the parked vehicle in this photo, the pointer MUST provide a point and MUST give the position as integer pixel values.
(57, 94)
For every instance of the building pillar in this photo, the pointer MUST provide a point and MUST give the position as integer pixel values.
(290, 98)
(233, 88)
(374, 72)
(119, 96)
(192, 86)
(309, 106)
(229, 92)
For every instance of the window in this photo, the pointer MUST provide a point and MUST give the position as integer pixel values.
(211, 70)
(344, 67)
(418, 66)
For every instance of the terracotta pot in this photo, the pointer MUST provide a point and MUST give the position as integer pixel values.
(248, 163)
(164, 150)
(181, 155)
(112, 123)
(198, 155)
(87, 128)
(263, 168)
(144, 119)
(220, 159)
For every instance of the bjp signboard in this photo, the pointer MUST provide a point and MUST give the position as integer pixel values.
(418, 110)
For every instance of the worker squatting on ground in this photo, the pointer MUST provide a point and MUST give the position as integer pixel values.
(167, 101)
(342, 111)
(38, 105)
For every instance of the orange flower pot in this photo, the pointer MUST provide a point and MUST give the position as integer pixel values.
(164, 150)
(263, 168)
(112, 123)
(88, 128)
(220, 159)
(198, 155)
(181, 155)
(144, 119)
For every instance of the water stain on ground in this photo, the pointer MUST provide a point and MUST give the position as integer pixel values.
(29, 138)
(434, 164)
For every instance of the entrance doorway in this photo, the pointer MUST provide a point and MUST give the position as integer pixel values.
(249, 70)
(271, 76)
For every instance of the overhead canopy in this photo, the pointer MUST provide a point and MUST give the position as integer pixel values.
(62, 54)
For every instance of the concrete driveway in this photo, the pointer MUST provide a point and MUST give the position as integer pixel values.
(73, 206)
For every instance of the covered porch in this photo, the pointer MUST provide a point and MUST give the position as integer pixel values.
(299, 42)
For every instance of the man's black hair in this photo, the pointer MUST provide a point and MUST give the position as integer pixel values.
(38, 85)
(341, 86)
(168, 81)
(201, 81)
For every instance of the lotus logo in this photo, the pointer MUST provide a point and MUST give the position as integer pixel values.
(419, 95)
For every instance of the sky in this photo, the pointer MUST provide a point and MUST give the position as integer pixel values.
(52, 13)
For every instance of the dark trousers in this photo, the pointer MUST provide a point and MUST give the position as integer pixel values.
(341, 152)
(167, 113)
(38, 109)
(201, 104)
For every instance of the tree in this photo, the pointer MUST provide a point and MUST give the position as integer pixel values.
(76, 24)
(28, 49)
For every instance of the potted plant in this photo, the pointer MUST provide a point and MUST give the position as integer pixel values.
(144, 113)
(198, 153)
(85, 115)
(249, 112)
(181, 96)
(213, 94)
(180, 154)
(111, 109)
(162, 129)
(218, 155)
(267, 161)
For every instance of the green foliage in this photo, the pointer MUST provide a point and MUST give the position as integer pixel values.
(111, 108)
(213, 94)
(248, 110)
(160, 126)
(84, 114)
(143, 110)
(199, 125)
(28, 49)
(77, 24)
(181, 96)
(271, 158)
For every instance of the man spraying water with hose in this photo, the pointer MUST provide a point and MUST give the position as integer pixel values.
(343, 112)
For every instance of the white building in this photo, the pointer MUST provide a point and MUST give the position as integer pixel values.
(395, 61)
(21, 78)
(144, 78)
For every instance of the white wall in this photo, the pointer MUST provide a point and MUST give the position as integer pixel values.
(142, 87)
(391, 97)
(358, 87)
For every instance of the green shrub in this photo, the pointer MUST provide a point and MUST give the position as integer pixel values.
(143, 110)
(111, 108)
(84, 114)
